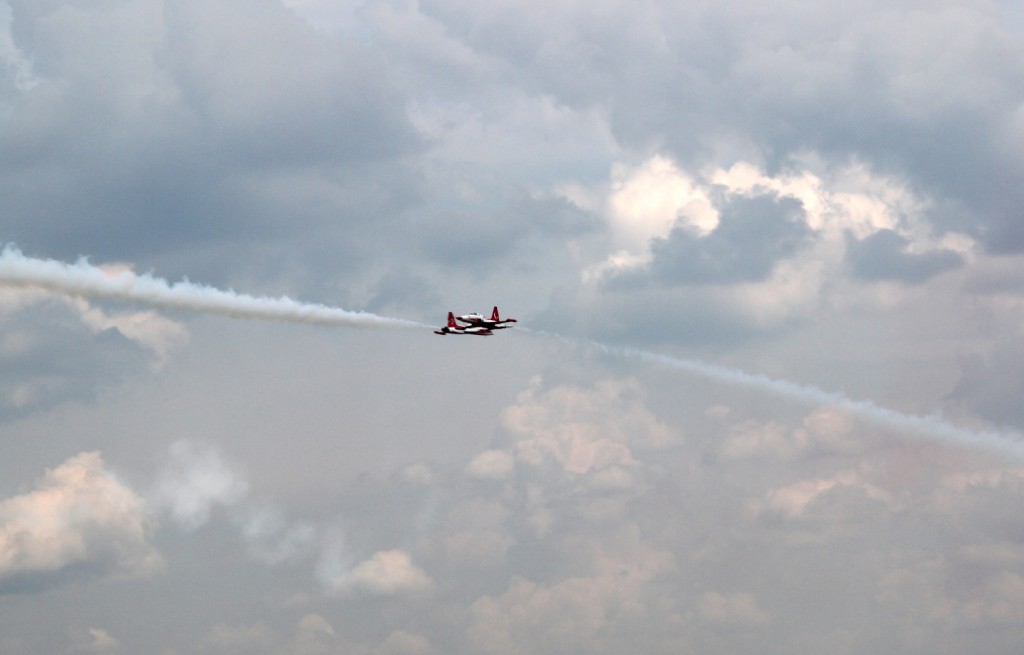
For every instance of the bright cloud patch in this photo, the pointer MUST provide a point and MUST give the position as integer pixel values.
(386, 573)
(645, 204)
(646, 201)
(78, 516)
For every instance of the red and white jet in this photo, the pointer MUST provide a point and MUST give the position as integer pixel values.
(495, 322)
(455, 328)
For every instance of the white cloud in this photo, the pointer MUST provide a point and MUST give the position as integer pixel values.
(313, 634)
(575, 613)
(842, 204)
(401, 642)
(79, 515)
(386, 573)
(752, 438)
(147, 328)
(194, 481)
(315, 623)
(793, 500)
(584, 429)
(825, 430)
(738, 608)
(649, 200)
(492, 465)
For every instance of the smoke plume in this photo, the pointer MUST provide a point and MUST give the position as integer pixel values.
(86, 280)
(931, 428)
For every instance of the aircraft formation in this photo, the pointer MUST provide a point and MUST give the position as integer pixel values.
(475, 324)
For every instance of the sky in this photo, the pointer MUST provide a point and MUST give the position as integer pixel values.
(763, 394)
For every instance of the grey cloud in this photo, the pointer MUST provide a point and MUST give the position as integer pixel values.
(152, 122)
(642, 313)
(683, 292)
(883, 256)
(424, 155)
(753, 234)
(571, 554)
(461, 239)
(48, 366)
(402, 291)
(990, 385)
(309, 99)
(930, 95)
(271, 537)
(607, 520)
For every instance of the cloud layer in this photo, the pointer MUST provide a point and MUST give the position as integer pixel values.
(763, 394)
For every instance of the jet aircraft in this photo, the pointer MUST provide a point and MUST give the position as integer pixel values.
(455, 328)
(495, 322)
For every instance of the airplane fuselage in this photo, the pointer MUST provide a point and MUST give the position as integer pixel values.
(475, 324)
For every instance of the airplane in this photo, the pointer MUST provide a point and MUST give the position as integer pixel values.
(495, 322)
(455, 328)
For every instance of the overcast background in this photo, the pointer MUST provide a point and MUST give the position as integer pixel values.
(824, 192)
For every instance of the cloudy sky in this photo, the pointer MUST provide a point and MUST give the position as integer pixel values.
(764, 395)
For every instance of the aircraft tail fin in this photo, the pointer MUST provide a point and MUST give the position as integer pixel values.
(451, 320)
(497, 319)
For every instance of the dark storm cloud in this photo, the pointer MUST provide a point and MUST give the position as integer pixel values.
(883, 256)
(148, 126)
(752, 235)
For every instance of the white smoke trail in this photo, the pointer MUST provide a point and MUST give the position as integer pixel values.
(924, 427)
(932, 427)
(84, 279)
